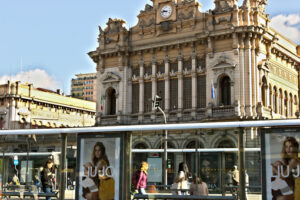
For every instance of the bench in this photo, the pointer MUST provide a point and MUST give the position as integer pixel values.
(22, 195)
(183, 197)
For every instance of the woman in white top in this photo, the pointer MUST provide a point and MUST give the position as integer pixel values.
(182, 179)
(198, 187)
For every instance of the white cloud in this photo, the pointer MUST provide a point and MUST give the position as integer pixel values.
(288, 25)
(38, 77)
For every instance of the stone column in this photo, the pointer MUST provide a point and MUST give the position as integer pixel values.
(241, 81)
(254, 76)
(248, 77)
(141, 83)
(167, 84)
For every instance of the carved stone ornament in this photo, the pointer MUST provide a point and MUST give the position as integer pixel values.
(223, 62)
(113, 26)
(186, 71)
(110, 77)
(147, 76)
(160, 75)
(172, 73)
(134, 78)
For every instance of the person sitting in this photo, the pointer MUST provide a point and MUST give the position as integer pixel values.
(198, 187)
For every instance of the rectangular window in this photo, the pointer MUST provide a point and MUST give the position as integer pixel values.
(161, 68)
(174, 67)
(147, 96)
(136, 71)
(201, 91)
(187, 64)
(187, 93)
(173, 94)
(135, 97)
(161, 93)
(148, 70)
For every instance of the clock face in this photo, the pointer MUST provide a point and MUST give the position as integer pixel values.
(166, 11)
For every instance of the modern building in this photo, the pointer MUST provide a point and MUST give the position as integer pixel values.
(226, 64)
(25, 107)
(84, 86)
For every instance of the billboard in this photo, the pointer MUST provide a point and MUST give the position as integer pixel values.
(99, 167)
(281, 163)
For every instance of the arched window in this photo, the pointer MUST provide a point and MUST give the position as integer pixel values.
(275, 100)
(296, 103)
(291, 111)
(111, 101)
(225, 91)
(280, 102)
(139, 157)
(264, 88)
(285, 103)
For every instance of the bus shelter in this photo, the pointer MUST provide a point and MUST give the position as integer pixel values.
(123, 148)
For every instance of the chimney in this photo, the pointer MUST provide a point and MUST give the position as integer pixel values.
(58, 91)
(298, 50)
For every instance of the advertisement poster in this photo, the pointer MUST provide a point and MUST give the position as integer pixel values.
(281, 164)
(99, 168)
(155, 170)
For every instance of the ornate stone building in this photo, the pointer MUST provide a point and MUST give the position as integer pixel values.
(220, 65)
(23, 106)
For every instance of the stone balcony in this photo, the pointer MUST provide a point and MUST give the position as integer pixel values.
(174, 116)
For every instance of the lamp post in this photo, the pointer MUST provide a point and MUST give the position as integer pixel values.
(156, 101)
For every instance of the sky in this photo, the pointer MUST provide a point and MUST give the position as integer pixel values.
(45, 42)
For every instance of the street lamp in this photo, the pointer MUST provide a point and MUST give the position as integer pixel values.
(156, 102)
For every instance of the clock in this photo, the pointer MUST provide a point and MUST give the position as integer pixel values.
(166, 11)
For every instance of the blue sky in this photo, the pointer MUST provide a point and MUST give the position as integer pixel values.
(50, 39)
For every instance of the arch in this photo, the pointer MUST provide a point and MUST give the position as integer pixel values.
(191, 144)
(111, 101)
(226, 143)
(224, 136)
(225, 90)
(264, 88)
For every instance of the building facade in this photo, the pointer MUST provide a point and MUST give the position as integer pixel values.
(26, 107)
(222, 65)
(84, 86)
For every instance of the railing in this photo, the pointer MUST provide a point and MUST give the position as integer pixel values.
(223, 111)
(183, 197)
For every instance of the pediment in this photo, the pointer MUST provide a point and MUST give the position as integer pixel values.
(223, 62)
(110, 77)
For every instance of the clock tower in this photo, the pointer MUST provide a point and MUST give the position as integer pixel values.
(165, 10)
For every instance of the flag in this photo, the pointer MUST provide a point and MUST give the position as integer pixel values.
(101, 104)
(212, 90)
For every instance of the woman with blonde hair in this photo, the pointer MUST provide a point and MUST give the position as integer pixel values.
(142, 176)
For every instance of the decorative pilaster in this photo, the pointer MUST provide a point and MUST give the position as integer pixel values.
(167, 84)
(248, 79)
(154, 81)
(194, 81)
(242, 76)
(141, 83)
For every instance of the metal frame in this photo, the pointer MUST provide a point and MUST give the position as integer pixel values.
(99, 137)
(153, 127)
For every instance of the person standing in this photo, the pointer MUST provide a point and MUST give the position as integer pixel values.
(142, 176)
(235, 178)
(182, 179)
(198, 187)
(47, 177)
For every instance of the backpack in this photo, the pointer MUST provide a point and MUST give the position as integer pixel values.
(135, 177)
